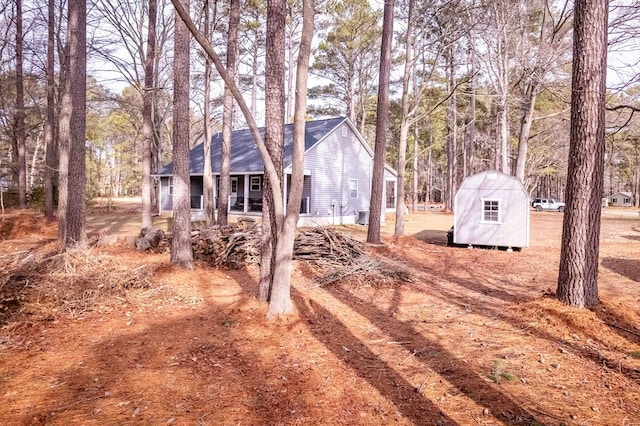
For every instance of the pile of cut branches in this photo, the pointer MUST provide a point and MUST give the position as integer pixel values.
(343, 258)
(367, 270)
(338, 256)
(231, 246)
(327, 247)
(75, 281)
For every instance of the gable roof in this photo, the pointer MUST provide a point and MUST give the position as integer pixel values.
(492, 180)
(245, 157)
(623, 193)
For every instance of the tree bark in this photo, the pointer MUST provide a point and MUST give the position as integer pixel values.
(227, 114)
(280, 302)
(207, 175)
(20, 134)
(416, 136)
(181, 251)
(71, 212)
(528, 101)
(452, 136)
(274, 138)
(578, 274)
(50, 124)
(382, 124)
(78, 90)
(147, 115)
(404, 125)
(471, 143)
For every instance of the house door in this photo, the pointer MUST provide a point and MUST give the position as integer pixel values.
(233, 193)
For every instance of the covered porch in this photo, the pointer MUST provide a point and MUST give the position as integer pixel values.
(246, 193)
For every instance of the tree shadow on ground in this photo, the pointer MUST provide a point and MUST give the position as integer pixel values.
(625, 327)
(475, 283)
(432, 236)
(444, 363)
(142, 377)
(629, 268)
(337, 337)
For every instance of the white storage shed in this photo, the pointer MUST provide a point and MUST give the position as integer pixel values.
(491, 209)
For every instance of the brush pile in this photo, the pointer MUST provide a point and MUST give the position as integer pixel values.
(338, 256)
(231, 246)
(327, 247)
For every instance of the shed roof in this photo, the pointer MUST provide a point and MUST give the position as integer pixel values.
(492, 180)
(245, 157)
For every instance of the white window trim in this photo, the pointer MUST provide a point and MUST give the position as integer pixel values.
(255, 180)
(171, 186)
(351, 189)
(482, 211)
(343, 131)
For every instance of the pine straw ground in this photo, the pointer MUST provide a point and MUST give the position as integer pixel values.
(114, 336)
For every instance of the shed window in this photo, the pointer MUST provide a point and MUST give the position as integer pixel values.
(491, 211)
(627, 200)
(614, 200)
(255, 183)
(170, 186)
(353, 188)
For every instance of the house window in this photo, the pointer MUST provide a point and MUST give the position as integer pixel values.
(170, 186)
(353, 188)
(614, 200)
(344, 131)
(256, 183)
(491, 211)
(627, 201)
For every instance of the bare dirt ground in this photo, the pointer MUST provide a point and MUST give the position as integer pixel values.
(113, 336)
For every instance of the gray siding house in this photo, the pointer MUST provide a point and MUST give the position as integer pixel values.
(491, 209)
(621, 199)
(338, 165)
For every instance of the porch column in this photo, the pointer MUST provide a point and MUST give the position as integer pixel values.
(245, 190)
(284, 194)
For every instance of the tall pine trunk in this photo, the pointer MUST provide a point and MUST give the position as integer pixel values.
(274, 138)
(71, 211)
(382, 124)
(578, 275)
(181, 251)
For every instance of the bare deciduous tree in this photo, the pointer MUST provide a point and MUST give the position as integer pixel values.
(147, 114)
(227, 113)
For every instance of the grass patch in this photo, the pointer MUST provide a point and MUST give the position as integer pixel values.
(498, 373)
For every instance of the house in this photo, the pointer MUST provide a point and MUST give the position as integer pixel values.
(621, 199)
(491, 209)
(338, 165)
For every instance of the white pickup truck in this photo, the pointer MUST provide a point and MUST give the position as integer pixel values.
(547, 204)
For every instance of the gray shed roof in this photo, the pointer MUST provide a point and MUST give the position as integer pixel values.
(245, 157)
